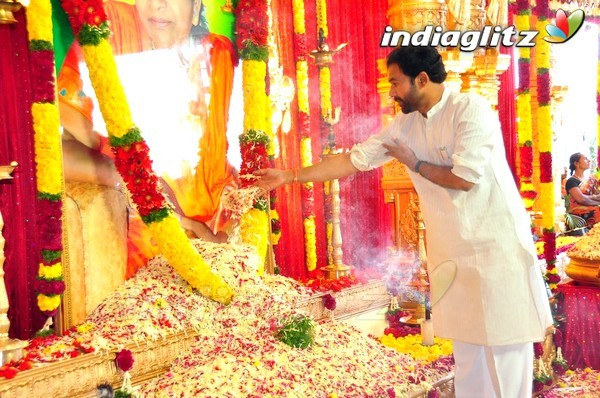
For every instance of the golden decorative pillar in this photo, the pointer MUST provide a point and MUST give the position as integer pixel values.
(456, 63)
(483, 76)
(411, 15)
(337, 268)
(477, 15)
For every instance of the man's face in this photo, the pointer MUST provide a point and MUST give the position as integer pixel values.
(403, 91)
(167, 22)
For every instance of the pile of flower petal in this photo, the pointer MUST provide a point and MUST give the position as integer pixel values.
(236, 353)
(588, 247)
(157, 303)
(342, 361)
(578, 383)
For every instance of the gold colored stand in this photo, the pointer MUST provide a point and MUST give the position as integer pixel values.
(338, 268)
(10, 349)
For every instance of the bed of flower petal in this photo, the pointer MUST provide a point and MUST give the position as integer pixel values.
(236, 353)
(576, 383)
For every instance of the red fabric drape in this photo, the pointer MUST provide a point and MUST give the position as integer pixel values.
(289, 253)
(365, 220)
(506, 108)
(580, 343)
(17, 196)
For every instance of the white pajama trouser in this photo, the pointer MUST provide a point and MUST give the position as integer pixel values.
(493, 371)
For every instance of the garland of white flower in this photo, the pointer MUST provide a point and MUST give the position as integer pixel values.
(308, 211)
(90, 26)
(48, 156)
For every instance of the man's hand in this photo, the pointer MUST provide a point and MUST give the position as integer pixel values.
(402, 152)
(270, 179)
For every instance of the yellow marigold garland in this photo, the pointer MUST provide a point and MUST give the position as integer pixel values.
(325, 91)
(412, 345)
(253, 225)
(304, 131)
(111, 98)
(48, 155)
(544, 125)
(49, 283)
(256, 142)
(310, 240)
(522, 22)
(322, 17)
(302, 83)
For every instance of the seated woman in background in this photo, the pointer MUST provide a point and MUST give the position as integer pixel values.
(582, 200)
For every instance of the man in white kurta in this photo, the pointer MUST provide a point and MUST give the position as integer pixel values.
(496, 305)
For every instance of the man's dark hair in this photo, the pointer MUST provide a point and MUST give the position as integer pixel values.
(413, 60)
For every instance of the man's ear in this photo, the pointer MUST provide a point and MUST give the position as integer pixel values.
(422, 79)
(196, 7)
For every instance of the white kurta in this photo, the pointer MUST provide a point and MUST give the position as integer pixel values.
(498, 296)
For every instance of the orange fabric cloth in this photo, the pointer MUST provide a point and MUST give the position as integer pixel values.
(199, 195)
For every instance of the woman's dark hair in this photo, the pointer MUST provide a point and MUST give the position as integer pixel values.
(572, 160)
(414, 60)
(201, 30)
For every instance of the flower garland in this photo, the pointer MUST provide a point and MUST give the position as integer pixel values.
(524, 111)
(307, 190)
(544, 125)
(48, 156)
(89, 23)
(252, 41)
(411, 345)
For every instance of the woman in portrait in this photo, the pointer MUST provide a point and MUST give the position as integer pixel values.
(186, 128)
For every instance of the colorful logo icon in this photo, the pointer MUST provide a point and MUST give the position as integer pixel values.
(565, 27)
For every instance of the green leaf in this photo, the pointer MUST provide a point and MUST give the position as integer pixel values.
(298, 332)
(156, 216)
(93, 35)
(132, 136)
(51, 255)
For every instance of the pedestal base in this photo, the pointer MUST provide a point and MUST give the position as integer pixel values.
(11, 350)
(335, 271)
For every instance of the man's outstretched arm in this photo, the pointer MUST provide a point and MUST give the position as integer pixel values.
(331, 168)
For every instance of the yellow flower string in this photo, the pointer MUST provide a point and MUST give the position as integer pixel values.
(306, 155)
(48, 156)
(258, 133)
(525, 172)
(310, 239)
(412, 345)
(544, 126)
(253, 225)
